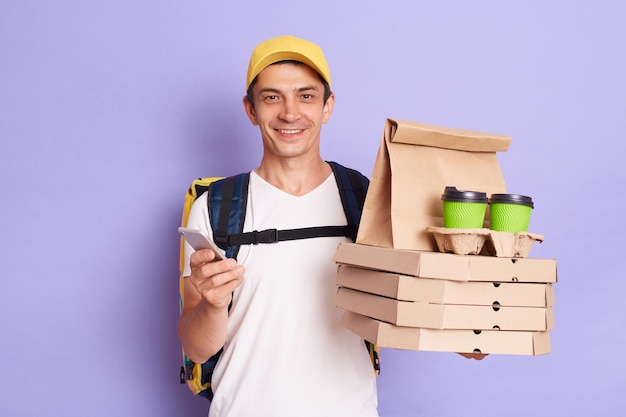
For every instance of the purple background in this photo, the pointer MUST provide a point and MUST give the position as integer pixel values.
(109, 109)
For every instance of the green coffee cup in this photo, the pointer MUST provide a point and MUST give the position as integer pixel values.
(463, 209)
(510, 212)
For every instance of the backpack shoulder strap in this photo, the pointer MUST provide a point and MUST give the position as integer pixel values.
(227, 201)
(352, 187)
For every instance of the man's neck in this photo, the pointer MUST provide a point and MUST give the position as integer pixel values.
(294, 176)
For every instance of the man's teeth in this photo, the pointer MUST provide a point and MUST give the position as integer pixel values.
(290, 132)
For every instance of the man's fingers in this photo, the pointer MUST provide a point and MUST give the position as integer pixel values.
(474, 355)
(219, 277)
(201, 257)
(217, 290)
(227, 267)
(231, 284)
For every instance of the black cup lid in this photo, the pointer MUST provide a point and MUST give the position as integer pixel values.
(452, 194)
(511, 199)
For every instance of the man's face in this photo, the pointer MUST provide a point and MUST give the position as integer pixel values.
(289, 109)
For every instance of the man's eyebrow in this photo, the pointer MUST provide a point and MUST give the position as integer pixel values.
(299, 90)
(269, 90)
(307, 88)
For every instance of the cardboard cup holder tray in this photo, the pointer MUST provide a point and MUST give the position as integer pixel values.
(484, 242)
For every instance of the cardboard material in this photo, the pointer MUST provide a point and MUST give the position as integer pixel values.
(448, 266)
(415, 162)
(437, 291)
(502, 244)
(445, 316)
(460, 241)
(485, 241)
(464, 341)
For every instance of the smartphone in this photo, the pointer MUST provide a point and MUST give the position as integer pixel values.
(200, 240)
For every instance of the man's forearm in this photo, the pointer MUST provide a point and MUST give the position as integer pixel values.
(202, 331)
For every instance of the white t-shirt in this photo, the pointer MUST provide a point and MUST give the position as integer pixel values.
(286, 354)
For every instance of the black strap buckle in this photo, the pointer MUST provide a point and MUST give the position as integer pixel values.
(264, 236)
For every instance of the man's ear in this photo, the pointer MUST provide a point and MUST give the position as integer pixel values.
(250, 112)
(328, 108)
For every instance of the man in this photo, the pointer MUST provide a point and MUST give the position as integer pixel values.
(285, 353)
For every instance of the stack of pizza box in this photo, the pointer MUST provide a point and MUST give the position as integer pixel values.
(409, 283)
(435, 301)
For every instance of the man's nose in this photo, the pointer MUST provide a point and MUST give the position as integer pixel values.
(290, 111)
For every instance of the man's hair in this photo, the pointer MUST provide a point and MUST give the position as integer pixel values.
(250, 94)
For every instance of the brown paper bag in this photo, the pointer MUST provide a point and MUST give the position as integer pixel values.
(415, 162)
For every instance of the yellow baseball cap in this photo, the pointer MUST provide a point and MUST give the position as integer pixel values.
(289, 48)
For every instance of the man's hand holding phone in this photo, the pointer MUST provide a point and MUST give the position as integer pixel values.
(213, 275)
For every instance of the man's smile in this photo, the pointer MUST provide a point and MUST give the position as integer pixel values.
(290, 131)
